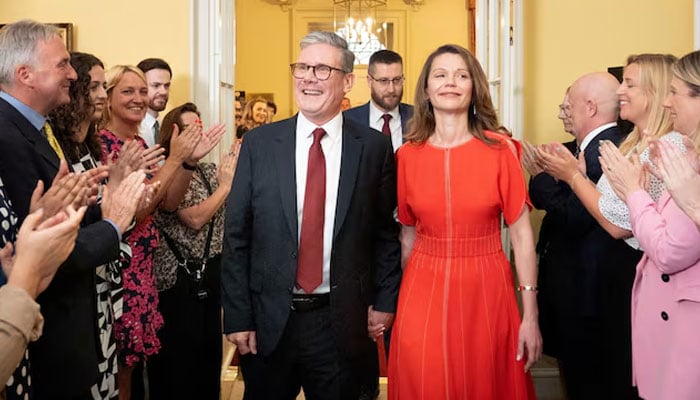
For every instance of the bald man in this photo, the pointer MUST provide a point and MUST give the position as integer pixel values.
(591, 287)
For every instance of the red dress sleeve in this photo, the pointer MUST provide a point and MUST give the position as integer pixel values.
(405, 214)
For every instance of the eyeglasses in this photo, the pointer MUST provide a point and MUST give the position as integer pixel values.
(321, 71)
(398, 81)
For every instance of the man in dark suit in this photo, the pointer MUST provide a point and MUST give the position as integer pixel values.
(548, 277)
(384, 112)
(582, 271)
(311, 261)
(64, 360)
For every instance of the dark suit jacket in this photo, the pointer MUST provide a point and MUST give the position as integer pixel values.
(360, 114)
(64, 359)
(578, 247)
(261, 244)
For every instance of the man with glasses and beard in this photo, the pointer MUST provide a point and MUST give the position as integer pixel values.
(384, 112)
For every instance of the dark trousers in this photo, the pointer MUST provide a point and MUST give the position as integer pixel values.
(188, 365)
(306, 357)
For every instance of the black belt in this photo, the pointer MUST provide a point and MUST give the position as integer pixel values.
(309, 302)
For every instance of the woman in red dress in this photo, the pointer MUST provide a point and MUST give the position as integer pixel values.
(458, 332)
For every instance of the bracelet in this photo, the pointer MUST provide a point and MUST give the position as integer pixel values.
(527, 288)
(188, 166)
(573, 179)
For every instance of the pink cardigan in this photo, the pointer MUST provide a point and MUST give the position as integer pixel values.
(665, 300)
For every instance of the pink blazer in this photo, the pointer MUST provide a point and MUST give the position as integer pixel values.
(665, 300)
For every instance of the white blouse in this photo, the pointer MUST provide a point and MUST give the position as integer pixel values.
(614, 209)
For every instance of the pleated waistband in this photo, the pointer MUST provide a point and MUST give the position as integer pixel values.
(475, 246)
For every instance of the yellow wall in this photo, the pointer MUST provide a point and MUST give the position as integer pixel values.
(266, 44)
(566, 38)
(123, 32)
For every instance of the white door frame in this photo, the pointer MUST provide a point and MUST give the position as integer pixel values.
(212, 62)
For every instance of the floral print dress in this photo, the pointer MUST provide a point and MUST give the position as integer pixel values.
(136, 331)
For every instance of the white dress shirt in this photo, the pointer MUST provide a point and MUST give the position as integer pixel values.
(146, 129)
(377, 122)
(332, 145)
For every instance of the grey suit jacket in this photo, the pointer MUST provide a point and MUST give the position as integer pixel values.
(261, 244)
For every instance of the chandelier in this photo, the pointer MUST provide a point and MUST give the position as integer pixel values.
(356, 20)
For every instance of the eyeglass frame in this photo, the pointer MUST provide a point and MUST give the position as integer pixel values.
(313, 68)
(385, 81)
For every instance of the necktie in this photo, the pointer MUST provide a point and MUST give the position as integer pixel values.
(310, 267)
(156, 129)
(577, 152)
(386, 129)
(48, 132)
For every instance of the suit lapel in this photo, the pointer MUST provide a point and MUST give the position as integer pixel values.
(349, 165)
(285, 156)
(41, 144)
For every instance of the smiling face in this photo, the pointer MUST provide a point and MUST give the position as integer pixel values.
(50, 77)
(98, 92)
(684, 106)
(319, 100)
(634, 102)
(158, 88)
(449, 85)
(128, 99)
(260, 113)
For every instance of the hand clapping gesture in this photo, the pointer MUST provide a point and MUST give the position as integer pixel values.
(625, 175)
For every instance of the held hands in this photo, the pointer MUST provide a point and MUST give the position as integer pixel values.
(41, 248)
(244, 341)
(227, 165)
(559, 163)
(209, 140)
(133, 157)
(529, 343)
(679, 172)
(67, 189)
(184, 143)
(531, 159)
(378, 322)
(625, 176)
(119, 205)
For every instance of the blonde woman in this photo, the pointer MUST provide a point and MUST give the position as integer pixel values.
(665, 299)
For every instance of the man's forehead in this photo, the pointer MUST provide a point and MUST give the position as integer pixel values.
(157, 75)
(320, 53)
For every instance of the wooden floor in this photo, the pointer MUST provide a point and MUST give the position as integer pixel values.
(545, 375)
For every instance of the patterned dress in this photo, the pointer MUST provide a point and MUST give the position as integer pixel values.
(108, 278)
(136, 331)
(457, 322)
(19, 384)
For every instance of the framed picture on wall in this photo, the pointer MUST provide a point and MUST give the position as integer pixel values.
(66, 31)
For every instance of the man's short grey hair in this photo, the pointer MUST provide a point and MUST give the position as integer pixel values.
(18, 45)
(347, 58)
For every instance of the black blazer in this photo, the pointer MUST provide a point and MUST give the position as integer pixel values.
(360, 115)
(64, 359)
(261, 244)
(583, 253)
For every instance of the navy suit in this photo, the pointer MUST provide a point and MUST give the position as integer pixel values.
(585, 285)
(64, 360)
(360, 114)
(261, 242)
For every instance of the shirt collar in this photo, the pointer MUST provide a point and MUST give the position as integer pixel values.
(333, 128)
(149, 120)
(37, 120)
(595, 133)
(375, 114)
